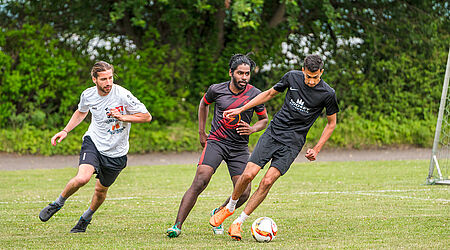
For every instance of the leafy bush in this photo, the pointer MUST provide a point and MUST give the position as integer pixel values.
(40, 81)
(353, 131)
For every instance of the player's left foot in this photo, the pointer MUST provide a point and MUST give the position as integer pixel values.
(218, 229)
(235, 231)
(173, 232)
(218, 218)
(81, 226)
(49, 211)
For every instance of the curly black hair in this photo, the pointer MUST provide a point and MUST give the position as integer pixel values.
(239, 59)
(313, 63)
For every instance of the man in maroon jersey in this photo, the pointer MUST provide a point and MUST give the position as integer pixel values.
(228, 138)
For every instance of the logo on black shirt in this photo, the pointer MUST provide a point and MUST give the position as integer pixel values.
(299, 105)
(232, 123)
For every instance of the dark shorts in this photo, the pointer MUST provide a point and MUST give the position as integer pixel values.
(215, 152)
(268, 149)
(106, 168)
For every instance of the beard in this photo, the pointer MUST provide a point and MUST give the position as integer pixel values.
(105, 89)
(238, 85)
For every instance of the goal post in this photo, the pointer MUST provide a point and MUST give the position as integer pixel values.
(439, 171)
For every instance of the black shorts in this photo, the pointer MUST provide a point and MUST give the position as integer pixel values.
(106, 168)
(268, 149)
(235, 157)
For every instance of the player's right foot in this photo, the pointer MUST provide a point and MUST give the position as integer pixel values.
(218, 229)
(218, 218)
(173, 232)
(235, 231)
(49, 211)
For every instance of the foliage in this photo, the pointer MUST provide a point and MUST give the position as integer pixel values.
(354, 205)
(41, 80)
(352, 131)
(385, 59)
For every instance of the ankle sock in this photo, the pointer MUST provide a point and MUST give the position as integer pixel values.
(231, 204)
(87, 215)
(60, 201)
(241, 218)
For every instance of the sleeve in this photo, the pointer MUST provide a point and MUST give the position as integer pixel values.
(210, 95)
(82, 106)
(283, 83)
(133, 105)
(331, 104)
(260, 109)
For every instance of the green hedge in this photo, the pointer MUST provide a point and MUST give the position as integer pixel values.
(352, 131)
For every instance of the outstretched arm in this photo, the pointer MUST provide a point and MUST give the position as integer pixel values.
(259, 99)
(311, 154)
(76, 119)
(203, 110)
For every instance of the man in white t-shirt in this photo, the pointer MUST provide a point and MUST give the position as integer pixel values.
(105, 144)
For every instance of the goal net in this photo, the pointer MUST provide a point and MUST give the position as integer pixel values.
(439, 172)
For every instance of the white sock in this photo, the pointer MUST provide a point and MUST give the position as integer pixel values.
(231, 204)
(241, 218)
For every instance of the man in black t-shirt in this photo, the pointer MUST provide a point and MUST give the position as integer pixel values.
(228, 138)
(307, 95)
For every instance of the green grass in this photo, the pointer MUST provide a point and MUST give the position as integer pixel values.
(315, 205)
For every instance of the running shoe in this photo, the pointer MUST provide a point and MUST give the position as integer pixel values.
(81, 226)
(218, 229)
(173, 232)
(235, 231)
(218, 218)
(49, 211)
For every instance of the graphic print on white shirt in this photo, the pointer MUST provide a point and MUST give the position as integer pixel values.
(110, 135)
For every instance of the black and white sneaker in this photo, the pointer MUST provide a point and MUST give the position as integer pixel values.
(49, 211)
(81, 226)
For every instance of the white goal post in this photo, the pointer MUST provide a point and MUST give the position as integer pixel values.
(439, 171)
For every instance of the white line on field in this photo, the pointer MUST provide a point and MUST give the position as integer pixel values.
(367, 193)
(377, 193)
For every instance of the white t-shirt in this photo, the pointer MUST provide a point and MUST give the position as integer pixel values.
(110, 135)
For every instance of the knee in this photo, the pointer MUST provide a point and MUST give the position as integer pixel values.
(81, 180)
(247, 177)
(266, 183)
(100, 191)
(199, 184)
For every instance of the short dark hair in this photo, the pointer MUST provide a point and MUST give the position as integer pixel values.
(313, 63)
(239, 59)
(99, 67)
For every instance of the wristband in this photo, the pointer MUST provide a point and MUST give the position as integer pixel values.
(65, 131)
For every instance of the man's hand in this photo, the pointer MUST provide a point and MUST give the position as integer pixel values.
(311, 154)
(231, 113)
(244, 128)
(202, 136)
(61, 135)
(116, 114)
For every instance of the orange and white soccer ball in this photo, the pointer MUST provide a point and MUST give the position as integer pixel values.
(264, 229)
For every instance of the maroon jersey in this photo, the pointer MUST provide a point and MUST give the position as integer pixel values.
(224, 129)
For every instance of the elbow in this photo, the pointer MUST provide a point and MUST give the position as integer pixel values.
(266, 121)
(149, 118)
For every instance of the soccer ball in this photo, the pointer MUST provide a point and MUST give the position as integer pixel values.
(264, 229)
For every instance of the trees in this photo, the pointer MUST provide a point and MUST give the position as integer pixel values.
(383, 57)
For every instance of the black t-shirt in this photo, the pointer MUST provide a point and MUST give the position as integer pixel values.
(224, 130)
(302, 106)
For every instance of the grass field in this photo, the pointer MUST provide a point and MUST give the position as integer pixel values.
(358, 205)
